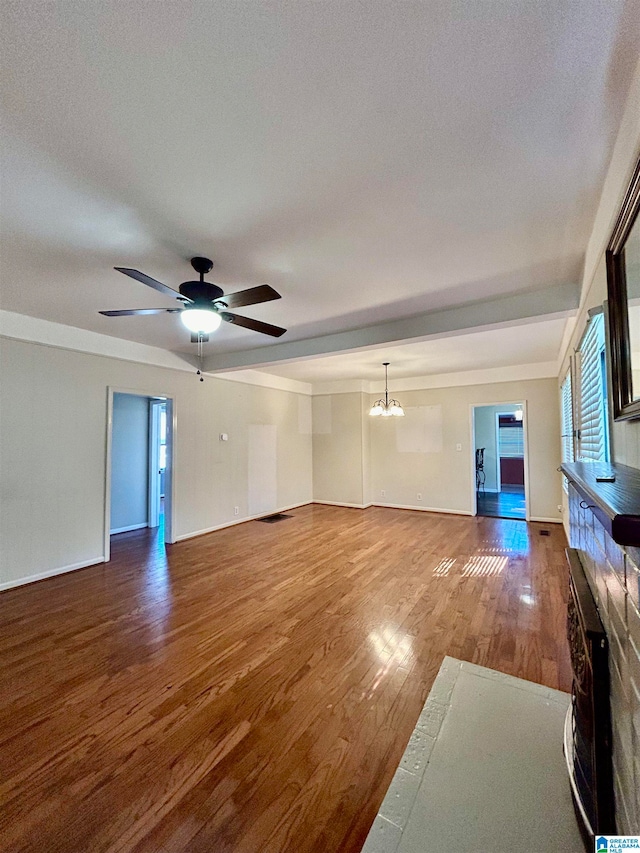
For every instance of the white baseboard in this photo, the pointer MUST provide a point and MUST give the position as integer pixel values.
(61, 570)
(50, 573)
(340, 503)
(127, 529)
(545, 520)
(426, 509)
(237, 521)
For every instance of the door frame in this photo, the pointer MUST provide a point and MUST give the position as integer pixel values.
(525, 427)
(153, 506)
(170, 479)
(498, 470)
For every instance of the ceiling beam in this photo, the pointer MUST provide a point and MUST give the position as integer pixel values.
(555, 301)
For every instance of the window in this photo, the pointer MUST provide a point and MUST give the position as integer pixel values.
(593, 434)
(566, 418)
(566, 423)
(510, 437)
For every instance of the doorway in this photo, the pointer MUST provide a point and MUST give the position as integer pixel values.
(157, 474)
(500, 456)
(139, 466)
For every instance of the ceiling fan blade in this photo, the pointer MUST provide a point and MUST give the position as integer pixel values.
(130, 313)
(254, 325)
(252, 296)
(150, 282)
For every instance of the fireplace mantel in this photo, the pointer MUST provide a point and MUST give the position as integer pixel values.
(615, 504)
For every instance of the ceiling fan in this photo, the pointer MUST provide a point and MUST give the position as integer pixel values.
(204, 304)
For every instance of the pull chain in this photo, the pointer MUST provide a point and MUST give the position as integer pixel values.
(200, 357)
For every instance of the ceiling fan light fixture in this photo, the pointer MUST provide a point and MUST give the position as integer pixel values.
(204, 320)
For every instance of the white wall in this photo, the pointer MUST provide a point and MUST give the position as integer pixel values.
(53, 406)
(445, 477)
(365, 405)
(129, 463)
(339, 450)
(356, 458)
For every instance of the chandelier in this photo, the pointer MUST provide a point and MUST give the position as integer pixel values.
(386, 407)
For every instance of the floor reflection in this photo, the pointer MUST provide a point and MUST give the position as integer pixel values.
(509, 541)
(444, 566)
(508, 537)
(147, 547)
(485, 565)
(527, 597)
(393, 650)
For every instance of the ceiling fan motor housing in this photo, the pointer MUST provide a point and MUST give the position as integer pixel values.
(200, 291)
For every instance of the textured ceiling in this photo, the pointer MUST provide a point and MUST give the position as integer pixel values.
(368, 160)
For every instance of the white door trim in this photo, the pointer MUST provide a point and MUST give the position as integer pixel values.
(497, 451)
(154, 463)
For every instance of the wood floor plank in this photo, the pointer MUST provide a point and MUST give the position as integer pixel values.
(254, 689)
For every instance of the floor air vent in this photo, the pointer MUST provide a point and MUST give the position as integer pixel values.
(271, 519)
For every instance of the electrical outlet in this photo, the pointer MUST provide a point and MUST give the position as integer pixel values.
(383, 494)
(458, 447)
(559, 507)
(419, 496)
(236, 510)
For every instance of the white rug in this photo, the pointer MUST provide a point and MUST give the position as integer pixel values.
(483, 770)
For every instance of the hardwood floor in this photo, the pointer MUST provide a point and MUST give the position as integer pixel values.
(508, 503)
(253, 690)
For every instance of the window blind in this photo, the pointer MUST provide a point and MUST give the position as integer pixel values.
(566, 415)
(511, 441)
(593, 441)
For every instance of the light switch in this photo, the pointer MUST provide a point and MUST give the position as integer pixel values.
(458, 447)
